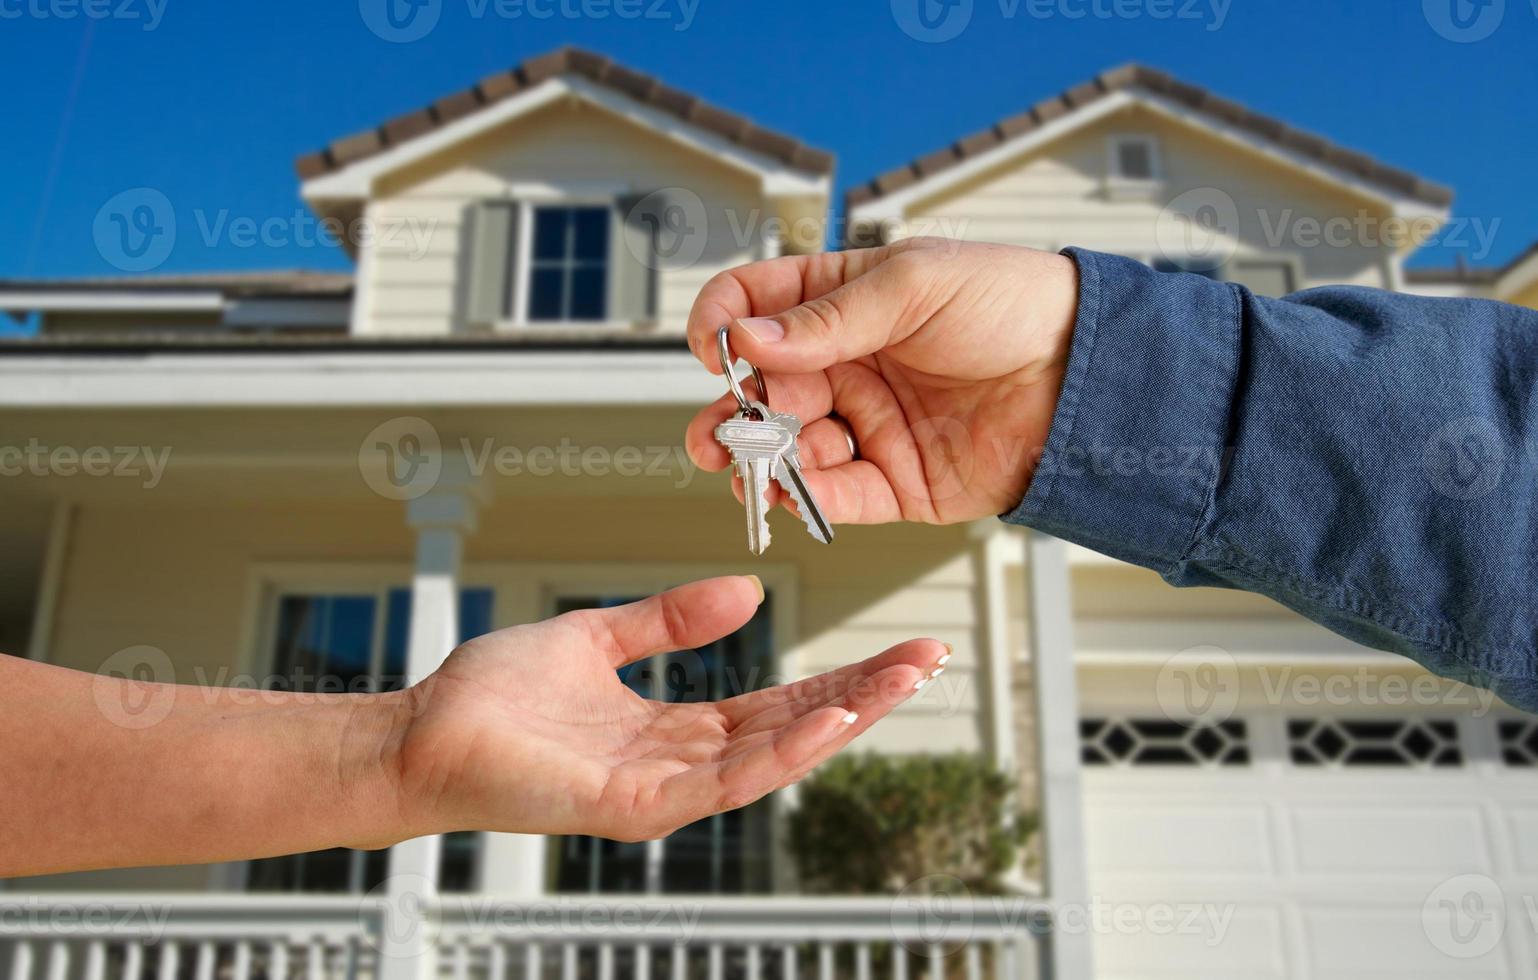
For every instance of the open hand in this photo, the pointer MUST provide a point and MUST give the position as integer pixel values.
(531, 730)
(945, 358)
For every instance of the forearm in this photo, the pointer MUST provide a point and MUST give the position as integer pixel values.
(1360, 456)
(95, 777)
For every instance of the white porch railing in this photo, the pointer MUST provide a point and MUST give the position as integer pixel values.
(213, 937)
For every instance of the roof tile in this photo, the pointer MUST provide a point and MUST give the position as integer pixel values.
(634, 84)
(1158, 82)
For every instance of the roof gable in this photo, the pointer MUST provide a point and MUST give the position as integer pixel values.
(641, 88)
(1058, 114)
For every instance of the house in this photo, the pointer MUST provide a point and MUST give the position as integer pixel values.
(259, 477)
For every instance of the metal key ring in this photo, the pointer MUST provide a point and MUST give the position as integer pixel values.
(725, 348)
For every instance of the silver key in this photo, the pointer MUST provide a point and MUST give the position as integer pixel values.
(764, 448)
(757, 446)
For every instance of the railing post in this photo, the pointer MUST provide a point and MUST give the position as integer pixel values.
(1065, 875)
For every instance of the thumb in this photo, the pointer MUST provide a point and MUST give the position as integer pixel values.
(864, 315)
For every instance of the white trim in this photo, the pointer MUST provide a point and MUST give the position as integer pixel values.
(357, 180)
(270, 311)
(1065, 873)
(45, 609)
(460, 378)
(894, 206)
(116, 301)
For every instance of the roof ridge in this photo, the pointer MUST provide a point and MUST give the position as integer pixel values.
(1135, 75)
(567, 59)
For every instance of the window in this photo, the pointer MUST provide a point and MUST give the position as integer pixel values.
(1356, 742)
(355, 642)
(724, 854)
(1161, 742)
(569, 263)
(1519, 742)
(1134, 159)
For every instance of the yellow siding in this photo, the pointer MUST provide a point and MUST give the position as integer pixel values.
(415, 276)
(1056, 196)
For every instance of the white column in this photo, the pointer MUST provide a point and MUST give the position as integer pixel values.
(1065, 876)
(441, 518)
(995, 545)
(46, 607)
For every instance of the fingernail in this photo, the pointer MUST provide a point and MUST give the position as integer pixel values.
(921, 682)
(758, 584)
(936, 672)
(763, 329)
(851, 717)
(949, 651)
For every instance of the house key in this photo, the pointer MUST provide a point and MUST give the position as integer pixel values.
(763, 447)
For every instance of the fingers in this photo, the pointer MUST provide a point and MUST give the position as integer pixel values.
(774, 707)
(793, 749)
(806, 396)
(689, 616)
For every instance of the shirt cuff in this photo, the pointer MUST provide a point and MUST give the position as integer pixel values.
(1140, 435)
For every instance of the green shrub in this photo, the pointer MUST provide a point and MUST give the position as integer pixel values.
(877, 824)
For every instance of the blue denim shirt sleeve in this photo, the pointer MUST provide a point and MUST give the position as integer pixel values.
(1364, 457)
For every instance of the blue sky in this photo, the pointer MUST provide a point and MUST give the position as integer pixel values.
(210, 101)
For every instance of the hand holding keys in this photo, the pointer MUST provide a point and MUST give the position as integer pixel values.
(763, 447)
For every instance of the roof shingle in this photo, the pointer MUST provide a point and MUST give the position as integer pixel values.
(1137, 76)
(568, 60)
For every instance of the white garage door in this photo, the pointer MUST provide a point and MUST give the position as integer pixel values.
(1282, 843)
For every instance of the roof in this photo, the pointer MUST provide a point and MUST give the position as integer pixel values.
(1134, 76)
(274, 283)
(567, 60)
(1463, 272)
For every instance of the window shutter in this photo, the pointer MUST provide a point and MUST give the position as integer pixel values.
(636, 279)
(494, 229)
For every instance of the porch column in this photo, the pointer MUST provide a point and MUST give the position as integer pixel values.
(441, 518)
(994, 549)
(1065, 875)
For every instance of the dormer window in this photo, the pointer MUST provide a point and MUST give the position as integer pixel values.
(1133, 167)
(568, 275)
(578, 260)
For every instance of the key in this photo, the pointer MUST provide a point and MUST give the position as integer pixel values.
(764, 448)
(757, 446)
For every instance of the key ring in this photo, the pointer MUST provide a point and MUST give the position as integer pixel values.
(725, 348)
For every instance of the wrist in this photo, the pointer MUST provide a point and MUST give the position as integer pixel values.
(370, 771)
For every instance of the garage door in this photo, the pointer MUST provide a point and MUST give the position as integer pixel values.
(1290, 843)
